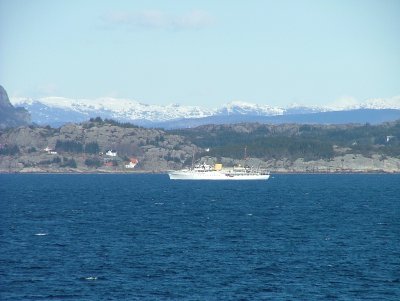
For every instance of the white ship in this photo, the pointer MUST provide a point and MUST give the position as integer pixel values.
(216, 172)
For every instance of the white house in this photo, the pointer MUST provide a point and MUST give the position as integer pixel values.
(388, 138)
(111, 153)
(50, 151)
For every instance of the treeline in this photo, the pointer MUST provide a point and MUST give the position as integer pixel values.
(275, 148)
(100, 121)
(311, 142)
(9, 150)
(72, 146)
(64, 162)
(365, 139)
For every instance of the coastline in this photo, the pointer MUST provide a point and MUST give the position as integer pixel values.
(144, 172)
(87, 149)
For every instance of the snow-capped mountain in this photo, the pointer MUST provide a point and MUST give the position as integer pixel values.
(58, 110)
(118, 108)
(349, 103)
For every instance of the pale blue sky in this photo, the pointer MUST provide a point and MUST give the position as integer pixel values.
(201, 52)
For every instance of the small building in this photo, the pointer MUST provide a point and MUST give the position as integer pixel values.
(388, 138)
(132, 163)
(111, 153)
(50, 151)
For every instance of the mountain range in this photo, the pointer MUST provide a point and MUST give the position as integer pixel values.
(56, 111)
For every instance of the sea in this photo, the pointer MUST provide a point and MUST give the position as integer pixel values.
(145, 237)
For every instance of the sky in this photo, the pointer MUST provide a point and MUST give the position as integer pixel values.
(201, 52)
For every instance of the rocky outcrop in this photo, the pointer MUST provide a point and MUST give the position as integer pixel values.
(10, 116)
(348, 163)
(344, 163)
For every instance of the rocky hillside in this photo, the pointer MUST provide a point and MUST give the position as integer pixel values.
(10, 116)
(281, 148)
(293, 141)
(82, 148)
(302, 147)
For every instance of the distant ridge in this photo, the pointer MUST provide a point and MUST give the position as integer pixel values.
(360, 116)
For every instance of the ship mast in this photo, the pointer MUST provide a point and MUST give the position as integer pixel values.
(193, 160)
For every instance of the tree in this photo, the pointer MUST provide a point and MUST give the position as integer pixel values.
(92, 148)
(69, 146)
(93, 162)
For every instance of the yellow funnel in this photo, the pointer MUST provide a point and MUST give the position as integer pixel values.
(218, 166)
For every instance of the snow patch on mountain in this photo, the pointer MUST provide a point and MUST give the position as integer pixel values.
(245, 108)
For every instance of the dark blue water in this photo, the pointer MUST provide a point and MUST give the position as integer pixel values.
(144, 237)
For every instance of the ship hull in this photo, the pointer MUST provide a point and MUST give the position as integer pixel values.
(214, 175)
